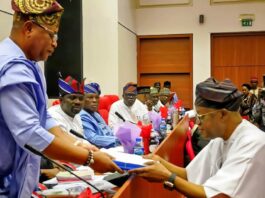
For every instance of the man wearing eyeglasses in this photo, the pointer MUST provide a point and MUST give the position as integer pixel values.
(23, 115)
(232, 164)
(128, 109)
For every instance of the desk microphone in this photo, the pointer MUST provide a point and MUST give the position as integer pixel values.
(77, 134)
(122, 118)
(119, 116)
(33, 150)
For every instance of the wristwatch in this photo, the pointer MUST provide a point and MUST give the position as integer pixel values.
(170, 183)
(90, 159)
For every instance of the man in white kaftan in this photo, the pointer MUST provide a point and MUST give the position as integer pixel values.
(129, 108)
(232, 164)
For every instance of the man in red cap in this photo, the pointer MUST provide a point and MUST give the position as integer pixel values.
(254, 86)
(24, 120)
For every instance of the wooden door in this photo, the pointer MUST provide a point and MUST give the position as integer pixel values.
(238, 56)
(167, 58)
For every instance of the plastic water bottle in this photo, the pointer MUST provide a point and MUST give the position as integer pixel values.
(138, 147)
(154, 141)
(163, 128)
(169, 121)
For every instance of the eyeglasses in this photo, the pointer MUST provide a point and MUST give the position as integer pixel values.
(200, 117)
(54, 36)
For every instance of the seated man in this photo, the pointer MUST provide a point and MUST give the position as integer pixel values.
(96, 130)
(128, 109)
(71, 103)
(164, 96)
(154, 97)
(232, 164)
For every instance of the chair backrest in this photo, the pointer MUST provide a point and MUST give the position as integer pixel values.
(104, 114)
(56, 102)
(113, 98)
(189, 147)
(104, 103)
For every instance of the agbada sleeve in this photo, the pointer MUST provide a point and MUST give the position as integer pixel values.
(22, 118)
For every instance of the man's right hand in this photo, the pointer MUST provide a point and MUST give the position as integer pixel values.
(104, 163)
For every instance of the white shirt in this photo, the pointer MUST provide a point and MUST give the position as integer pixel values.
(157, 106)
(133, 114)
(65, 121)
(235, 167)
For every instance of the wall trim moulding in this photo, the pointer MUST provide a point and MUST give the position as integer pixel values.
(162, 3)
(214, 2)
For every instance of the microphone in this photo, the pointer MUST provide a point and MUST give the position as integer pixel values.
(77, 134)
(119, 116)
(36, 152)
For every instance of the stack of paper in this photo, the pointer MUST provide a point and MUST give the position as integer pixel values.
(127, 161)
(66, 176)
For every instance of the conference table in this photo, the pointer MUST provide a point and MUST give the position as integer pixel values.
(171, 149)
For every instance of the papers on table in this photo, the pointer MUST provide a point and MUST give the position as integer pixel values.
(66, 176)
(126, 161)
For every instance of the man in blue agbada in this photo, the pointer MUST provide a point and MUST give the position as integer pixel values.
(96, 130)
(23, 114)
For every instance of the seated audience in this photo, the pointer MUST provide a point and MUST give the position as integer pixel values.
(128, 109)
(248, 101)
(96, 130)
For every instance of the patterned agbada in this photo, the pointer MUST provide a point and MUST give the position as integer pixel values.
(218, 95)
(23, 106)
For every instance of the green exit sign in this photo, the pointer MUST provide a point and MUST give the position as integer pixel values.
(246, 22)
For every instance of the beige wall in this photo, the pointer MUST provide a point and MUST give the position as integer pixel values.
(100, 43)
(126, 43)
(109, 48)
(5, 19)
(184, 19)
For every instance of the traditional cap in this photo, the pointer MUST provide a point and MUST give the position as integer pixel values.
(47, 12)
(153, 90)
(164, 91)
(254, 79)
(217, 95)
(70, 86)
(143, 90)
(93, 88)
(130, 88)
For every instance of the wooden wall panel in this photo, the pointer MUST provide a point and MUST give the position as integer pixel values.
(238, 56)
(167, 58)
(165, 55)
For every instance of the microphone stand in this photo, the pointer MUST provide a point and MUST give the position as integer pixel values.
(33, 150)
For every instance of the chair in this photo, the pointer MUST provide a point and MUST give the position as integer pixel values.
(104, 103)
(56, 102)
(113, 98)
(188, 145)
(104, 114)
